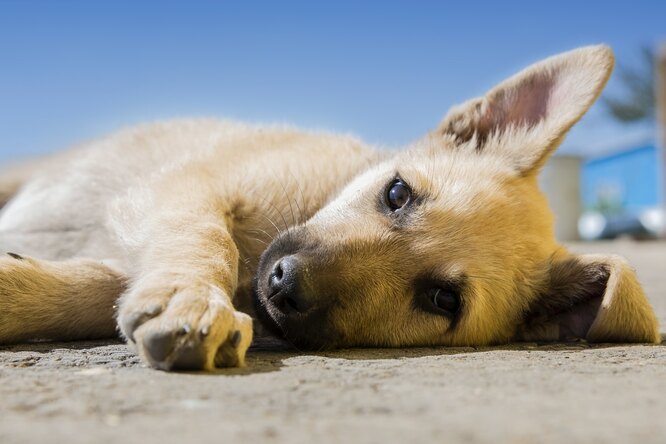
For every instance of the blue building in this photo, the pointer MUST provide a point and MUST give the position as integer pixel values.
(626, 182)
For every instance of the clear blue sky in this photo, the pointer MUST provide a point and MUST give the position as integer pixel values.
(386, 71)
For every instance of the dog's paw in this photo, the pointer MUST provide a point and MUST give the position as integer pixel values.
(185, 328)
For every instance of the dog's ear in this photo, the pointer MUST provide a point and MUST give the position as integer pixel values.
(592, 297)
(525, 118)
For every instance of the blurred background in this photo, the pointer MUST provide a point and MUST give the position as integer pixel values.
(385, 71)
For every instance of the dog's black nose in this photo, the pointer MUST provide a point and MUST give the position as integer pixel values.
(286, 289)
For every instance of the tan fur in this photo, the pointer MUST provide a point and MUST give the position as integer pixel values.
(619, 311)
(185, 209)
(65, 300)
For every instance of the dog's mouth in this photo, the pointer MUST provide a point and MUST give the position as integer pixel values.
(310, 331)
(293, 311)
(263, 312)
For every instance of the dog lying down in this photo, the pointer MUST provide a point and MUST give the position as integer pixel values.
(179, 233)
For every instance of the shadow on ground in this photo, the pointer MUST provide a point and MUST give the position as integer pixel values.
(265, 355)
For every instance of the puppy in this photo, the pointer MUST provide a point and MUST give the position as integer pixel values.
(179, 232)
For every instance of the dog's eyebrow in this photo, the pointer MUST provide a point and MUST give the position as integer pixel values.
(418, 181)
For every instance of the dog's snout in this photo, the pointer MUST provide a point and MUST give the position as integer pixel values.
(285, 287)
(282, 275)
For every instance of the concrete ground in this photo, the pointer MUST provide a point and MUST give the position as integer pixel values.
(98, 392)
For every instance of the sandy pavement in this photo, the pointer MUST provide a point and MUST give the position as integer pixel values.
(98, 392)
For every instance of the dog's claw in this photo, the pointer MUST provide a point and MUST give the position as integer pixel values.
(15, 256)
(204, 331)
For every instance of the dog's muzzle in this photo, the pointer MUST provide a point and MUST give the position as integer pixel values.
(287, 299)
(287, 288)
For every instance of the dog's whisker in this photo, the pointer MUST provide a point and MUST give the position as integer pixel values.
(300, 212)
(263, 242)
(245, 262)
(274, 207)
(262, 231)
(291, 208)
(304, 220)
(284, 220)
(272, 223)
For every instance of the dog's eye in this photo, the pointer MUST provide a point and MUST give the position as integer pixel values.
(397, 194)
(443, 299)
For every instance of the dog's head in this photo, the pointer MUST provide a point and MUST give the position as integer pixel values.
(451, 242)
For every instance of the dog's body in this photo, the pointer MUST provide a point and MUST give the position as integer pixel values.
(449, 242)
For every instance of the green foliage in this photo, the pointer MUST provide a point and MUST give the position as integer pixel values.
(638, 102)
(608, 208)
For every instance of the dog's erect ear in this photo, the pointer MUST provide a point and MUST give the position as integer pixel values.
(592, 297)
(525, 118)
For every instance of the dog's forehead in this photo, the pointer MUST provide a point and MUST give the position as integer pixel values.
(454, 180)
(360, 193)
(448, 179)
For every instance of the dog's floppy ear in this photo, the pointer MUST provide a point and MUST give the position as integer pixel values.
(592, 297)
(524, 118)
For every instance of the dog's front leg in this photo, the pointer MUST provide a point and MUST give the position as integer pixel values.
(178, 312)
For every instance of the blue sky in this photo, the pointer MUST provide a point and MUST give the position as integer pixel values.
(386, 71)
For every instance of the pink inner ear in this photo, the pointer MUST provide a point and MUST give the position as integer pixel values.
(569, 306)
(526, 104)
(576, 322)
(523, 119)
(567, 323)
